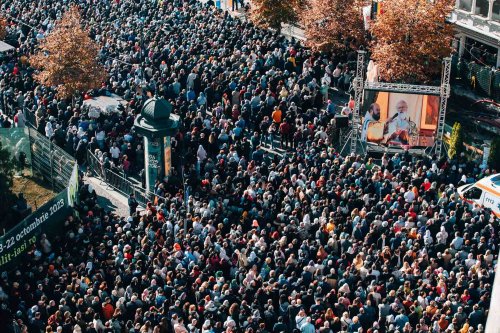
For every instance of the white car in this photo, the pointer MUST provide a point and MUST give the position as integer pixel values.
(484, 192)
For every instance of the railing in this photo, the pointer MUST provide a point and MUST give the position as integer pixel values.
(60, 170)
(54, 164)
(50, 161)
(119, 182)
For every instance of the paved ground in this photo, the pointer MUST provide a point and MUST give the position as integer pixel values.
(296, 32)
(109, 199)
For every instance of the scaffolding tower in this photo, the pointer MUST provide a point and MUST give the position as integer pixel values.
(358, 97)
(445, 94)
(353, 141)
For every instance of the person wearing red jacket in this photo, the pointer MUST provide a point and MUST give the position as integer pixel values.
(107, 309)
(285, 130)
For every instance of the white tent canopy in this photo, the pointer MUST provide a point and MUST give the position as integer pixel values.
(103, 104)
(4, 47)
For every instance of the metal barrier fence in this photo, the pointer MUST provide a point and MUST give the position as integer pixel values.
(95, 166)
(57, 168)
(49, 161)
(117, 181)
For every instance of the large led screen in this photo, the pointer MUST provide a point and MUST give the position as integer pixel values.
(399, 119)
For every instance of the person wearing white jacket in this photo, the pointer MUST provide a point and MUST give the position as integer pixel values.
(201, 155)
(49, 131)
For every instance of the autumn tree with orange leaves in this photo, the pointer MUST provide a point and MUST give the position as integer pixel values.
(3, 28)
(67, 58)
(333, 25)
(411, 38)
(271, 13)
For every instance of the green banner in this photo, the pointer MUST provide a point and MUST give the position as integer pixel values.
(22, 237)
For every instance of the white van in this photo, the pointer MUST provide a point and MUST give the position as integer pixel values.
(485, 193)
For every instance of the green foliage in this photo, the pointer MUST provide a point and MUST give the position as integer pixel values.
(456, 141)
(494, 159)
(7, 168)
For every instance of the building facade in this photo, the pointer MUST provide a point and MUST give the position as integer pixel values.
(477, 24)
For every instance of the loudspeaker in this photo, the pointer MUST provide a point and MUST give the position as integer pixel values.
(341, 121)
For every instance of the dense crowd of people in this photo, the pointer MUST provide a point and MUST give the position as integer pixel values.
(312, 242)
(309, 241)
(199, 58)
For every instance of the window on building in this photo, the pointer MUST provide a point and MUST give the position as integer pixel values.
(481, 53)
(482, 7)
(496, 11)
(465, 5)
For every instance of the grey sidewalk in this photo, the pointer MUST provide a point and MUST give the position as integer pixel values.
(108, 198)
(289, 30)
